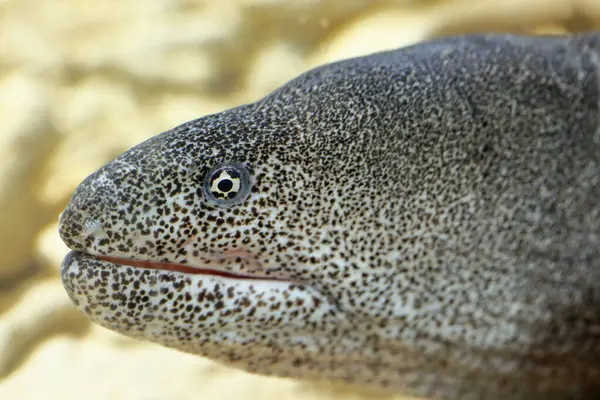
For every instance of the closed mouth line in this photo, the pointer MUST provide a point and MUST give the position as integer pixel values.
(182, 268)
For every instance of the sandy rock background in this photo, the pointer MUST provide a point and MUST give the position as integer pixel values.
(82, 81)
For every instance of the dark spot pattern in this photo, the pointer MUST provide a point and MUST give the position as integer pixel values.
(431, 216)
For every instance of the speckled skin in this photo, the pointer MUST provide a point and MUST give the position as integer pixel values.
(430, 217)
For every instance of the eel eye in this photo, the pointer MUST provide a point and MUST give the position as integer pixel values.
(227, 184)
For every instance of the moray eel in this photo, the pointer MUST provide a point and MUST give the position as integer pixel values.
(424, 221)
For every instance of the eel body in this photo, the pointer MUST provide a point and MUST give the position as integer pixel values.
(423, 221)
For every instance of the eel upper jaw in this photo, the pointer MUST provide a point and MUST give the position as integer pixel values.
(76, 235)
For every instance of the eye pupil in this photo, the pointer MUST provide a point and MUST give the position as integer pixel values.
(225, 185)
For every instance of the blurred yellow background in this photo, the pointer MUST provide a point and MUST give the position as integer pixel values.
(82, 81)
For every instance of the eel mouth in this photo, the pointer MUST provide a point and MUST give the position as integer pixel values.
(182, 268)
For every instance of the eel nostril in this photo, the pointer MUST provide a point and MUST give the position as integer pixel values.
(91, 226)
(78, 230)
(76, 227)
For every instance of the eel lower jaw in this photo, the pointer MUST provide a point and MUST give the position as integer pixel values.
(185, 268)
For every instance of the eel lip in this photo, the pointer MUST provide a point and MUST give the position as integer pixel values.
(182, 268)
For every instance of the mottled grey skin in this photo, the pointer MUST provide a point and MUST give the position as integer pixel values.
(431, 216)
